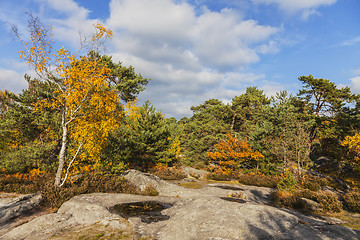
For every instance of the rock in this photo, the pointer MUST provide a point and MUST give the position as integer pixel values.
(203, 217)
(143, 180)
(206, 213)
(195, 173)
(333, 220)
(310, 204)
(18, 206)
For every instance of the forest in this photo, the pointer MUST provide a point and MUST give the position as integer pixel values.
(78, 126)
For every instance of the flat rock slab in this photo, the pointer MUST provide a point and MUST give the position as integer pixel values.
(202, 217)
(250, 193)
(216, 211)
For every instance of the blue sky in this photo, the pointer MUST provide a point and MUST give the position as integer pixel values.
(194, 50)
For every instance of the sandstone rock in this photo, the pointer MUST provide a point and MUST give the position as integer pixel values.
(17, 206)
(205, 213)
(142, 180)
(310, 204)
(195, 173)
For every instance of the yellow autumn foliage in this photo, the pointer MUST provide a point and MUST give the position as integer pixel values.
(353, 144)
(89, 107)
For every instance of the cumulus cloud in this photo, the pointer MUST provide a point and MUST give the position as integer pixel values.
(68, 19)
(296, 5)
(191, 53)
(355, 84)
(190, 56)
(12, 80)
(152, 29)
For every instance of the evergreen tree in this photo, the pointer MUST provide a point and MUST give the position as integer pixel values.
(29, 139)
(248, 110)
(209, 123)
(142, 141)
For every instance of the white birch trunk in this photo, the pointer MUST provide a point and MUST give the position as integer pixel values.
(62, 150)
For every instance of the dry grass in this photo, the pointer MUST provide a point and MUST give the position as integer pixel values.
(193, 185)
(352, 219)
(97, 232)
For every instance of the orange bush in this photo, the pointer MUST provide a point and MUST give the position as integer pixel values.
(231, 152)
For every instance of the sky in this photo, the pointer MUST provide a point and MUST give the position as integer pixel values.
(195, 50)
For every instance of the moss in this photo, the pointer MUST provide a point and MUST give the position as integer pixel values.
(97, 232)
(193, 185)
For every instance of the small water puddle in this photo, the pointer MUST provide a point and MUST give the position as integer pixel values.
(228, 187)
(230, 199)
(147, 211)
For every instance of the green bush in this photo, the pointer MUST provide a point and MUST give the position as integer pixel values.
(88, 183)
(287, 182)
(54, 196)
(150, 191)
(285, 198)
(329, 202)
(22, 183)
(168, 173)
(33, 155)
(352, 200)
(311, 184)
(219, 177)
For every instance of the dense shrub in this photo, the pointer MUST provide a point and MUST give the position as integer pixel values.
(314, 183)
(91, 182)
(287, 181)
(23, 182)
(310, 184)
(217, 176)
(39, 181)
(168, 173)
(285, 198)
(329, 202)
(33, 155)
(352, 200)
(150, 191)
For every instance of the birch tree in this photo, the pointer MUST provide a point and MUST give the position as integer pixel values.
(89, 106)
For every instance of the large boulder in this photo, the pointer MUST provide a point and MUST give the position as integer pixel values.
(195, 173)
(14, 207)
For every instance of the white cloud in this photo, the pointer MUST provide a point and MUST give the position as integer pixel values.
(297, 5)
(190, 56)
(191, 53)
(163, 28)
(237, 80)
(12, 80)
(351, 42)
(309, 12)
(270, 88)
(222, 40)
(68, 19)
(157, 20)
(355, 84)
(270, 47)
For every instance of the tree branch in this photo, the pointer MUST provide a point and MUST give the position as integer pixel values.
(72, 161)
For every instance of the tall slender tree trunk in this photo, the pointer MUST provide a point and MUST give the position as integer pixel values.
(62, 150)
